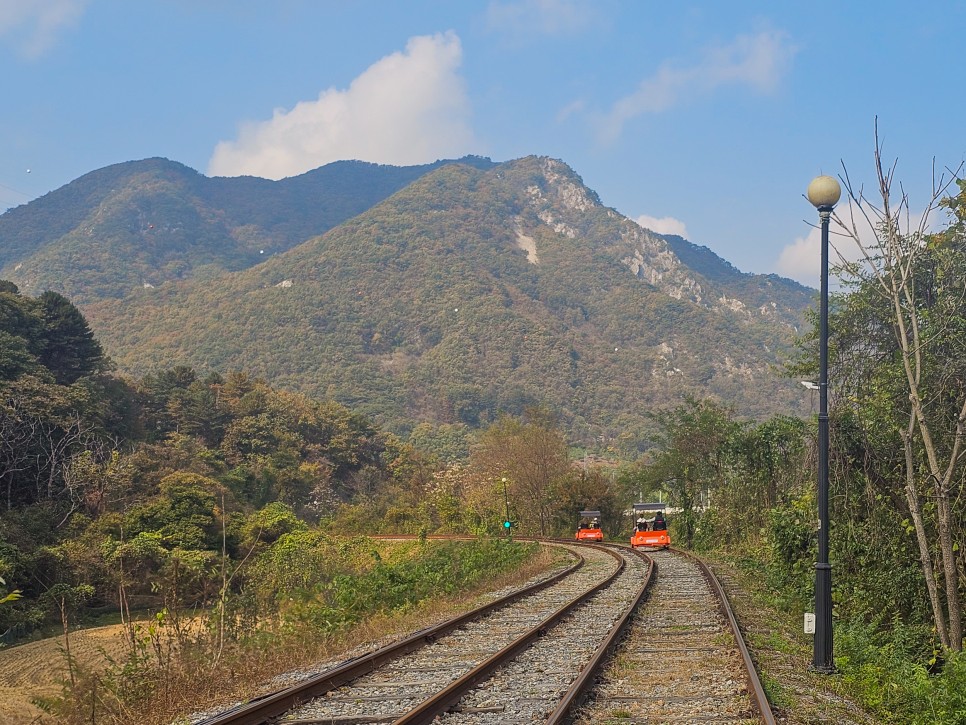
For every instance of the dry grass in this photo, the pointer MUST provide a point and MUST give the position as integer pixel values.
(241, 672)
(37, 669)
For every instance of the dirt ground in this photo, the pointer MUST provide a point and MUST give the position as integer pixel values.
(36, 669)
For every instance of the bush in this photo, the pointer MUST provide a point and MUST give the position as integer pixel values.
(790, 540)
(888, 671)
(707, 530)
(434, 569)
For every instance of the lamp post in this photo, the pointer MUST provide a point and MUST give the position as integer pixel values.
(824, 193)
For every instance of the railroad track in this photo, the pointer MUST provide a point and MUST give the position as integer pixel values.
(683, 661)
(531, 656)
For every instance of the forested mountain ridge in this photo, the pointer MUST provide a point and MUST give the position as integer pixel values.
(473, 292)
(143, 223)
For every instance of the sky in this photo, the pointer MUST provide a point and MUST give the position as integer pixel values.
(706, 119)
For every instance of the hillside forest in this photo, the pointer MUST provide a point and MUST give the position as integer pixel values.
(179, 491)
(445, 294)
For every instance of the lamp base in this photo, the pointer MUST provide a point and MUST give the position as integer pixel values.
(823, 669)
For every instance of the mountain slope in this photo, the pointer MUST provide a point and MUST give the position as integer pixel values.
(473, 292)
(784, 297)
(143, 223)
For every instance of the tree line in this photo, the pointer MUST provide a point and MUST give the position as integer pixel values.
(120, 492)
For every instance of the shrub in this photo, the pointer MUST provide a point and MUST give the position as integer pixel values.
(887, 671)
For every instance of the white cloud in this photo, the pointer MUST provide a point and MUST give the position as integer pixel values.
(407, 108)
(758, 61)
(548, 17)
(571, 109)
(802, 259)
(663, 225)
(35, 24)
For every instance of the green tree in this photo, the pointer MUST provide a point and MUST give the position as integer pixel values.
(450, 442)
(532, 454)
(15, 357)
(592, 489)
(904, 351)
(70, 351)
(693, 457)
(184, 514)
(22, 337)
(769, 463)
(161, 396)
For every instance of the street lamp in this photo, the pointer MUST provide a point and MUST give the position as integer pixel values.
(824, 193)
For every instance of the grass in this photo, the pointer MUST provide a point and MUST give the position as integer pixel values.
(772, 626)
(778, 695)
(884, 675)
(165, 679)
(618, 716)
(775, 640)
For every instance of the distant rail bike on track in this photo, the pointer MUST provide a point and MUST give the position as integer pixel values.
(650, 531)
(589, 527)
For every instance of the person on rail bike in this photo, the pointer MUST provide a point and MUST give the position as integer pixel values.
(641, 523)
(659, 523)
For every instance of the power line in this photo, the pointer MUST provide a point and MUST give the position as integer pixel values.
(5, 200)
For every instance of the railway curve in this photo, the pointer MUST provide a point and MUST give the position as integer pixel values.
(547, 654)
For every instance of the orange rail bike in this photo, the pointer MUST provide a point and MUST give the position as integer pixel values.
(650, 531)
(589, 527)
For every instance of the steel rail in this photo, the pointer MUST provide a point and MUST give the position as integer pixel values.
(758, 697)
(264, 708)
(580, 687)
(448, 698)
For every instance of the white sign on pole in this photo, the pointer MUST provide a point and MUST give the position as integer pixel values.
(809, 623)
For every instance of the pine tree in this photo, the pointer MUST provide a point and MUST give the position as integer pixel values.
(71, 352)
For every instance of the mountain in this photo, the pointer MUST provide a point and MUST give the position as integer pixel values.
(783, 296)
(475, 289)
(144, 223)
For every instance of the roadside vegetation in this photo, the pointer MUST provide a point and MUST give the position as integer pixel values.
(305, 598)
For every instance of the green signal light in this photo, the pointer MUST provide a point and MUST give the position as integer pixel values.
(507, 524)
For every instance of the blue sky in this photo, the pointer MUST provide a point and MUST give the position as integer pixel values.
(706, 119)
